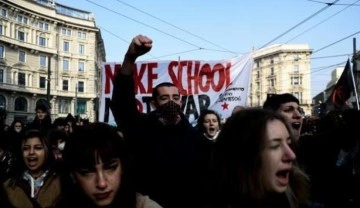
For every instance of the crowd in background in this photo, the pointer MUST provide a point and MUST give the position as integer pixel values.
(259, 157)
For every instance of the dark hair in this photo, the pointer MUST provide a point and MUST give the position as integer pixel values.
(4, 144)
(12, 126)
(92, 141)
(60, 121)
(155, 92)
(201, 118)
(54, 135)
(237, 156)
(86, 140)
(273, 101)
(3, 113)
(20, 164)
(42, 107)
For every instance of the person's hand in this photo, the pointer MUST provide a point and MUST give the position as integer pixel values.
(139, 45)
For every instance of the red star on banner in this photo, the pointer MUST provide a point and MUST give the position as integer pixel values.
(225, 106)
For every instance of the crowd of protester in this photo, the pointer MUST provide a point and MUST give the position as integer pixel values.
(258, 158)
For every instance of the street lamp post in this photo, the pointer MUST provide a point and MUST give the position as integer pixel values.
(48, 82)
(75, 103)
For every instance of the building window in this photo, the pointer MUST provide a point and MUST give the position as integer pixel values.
(272, 71)
(298, 95)
(258, 75)
(66, 46)
(81, 66)
(64, 106)
(271, 60)
(80, 86)
(71, 12)
(22, 19)
(21, 104)
(1, 75)
(82, 35)
(22, 55)
(81, 107)
(1, 30)
(21, 79)
(257, 64)
(2, 51)
(42, 82)
(42, 60)
(43, 26)
(42, 41)
(257, 85)
(272, 82)
(81, 49)
(21, 35)
(296, 68)
(65, 85)
(2, 102)
(66, 65)
(295, 80)
(296, 57)
(66, 32)
(3, 12)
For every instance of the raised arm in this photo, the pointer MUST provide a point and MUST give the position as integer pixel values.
(123, 102)
(139, 45)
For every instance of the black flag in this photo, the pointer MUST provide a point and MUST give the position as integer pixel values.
(342, 90)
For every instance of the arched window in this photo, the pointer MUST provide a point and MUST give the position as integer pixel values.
(2, 102)
(21, 104)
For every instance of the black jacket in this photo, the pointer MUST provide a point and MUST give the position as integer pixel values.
(170, 160)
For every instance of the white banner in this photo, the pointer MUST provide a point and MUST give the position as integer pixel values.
(217, 85)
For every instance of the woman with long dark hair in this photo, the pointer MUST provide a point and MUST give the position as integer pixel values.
(34, 182)
(97, 166)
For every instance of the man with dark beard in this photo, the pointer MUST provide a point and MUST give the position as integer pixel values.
(168, 153)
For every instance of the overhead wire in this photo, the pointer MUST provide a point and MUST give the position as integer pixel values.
(173, 54)
(326, 19)
(333, 56)
(336, 42)
(328, 3)
(174, 26)
(326, 67)
(200, 48)
(108, 31)
(319, 69)
(115, 35)
(149, 26)
(297, 25)
(197, 47)
(163, 56)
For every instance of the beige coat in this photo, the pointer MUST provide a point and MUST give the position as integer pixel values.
(48, 196)
(145, 202)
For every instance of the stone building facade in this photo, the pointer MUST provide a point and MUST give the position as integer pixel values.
(282, 68)
(49, 52)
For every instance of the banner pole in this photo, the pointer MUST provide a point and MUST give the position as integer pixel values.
(355, 90)
(352, 74)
